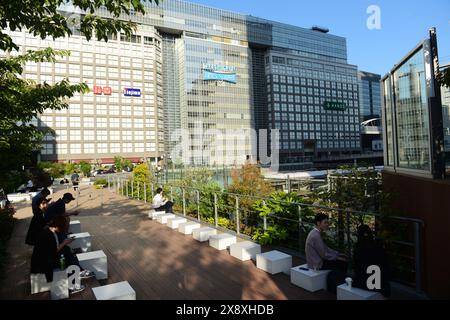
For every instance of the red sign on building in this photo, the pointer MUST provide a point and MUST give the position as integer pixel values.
(97, 90)
(100, 90)
(107, 90)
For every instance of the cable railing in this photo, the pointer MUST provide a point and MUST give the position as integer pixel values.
(286, 224)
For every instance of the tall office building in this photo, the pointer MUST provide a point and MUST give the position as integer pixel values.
(370, 111)
(369, 95)
(202, 78)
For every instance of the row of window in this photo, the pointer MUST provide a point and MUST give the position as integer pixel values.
(316, 126)
(78, 148)
(102, 135)
(298, 145)
(320, 75)
(309, 99)
(77, 122)
(310, 118)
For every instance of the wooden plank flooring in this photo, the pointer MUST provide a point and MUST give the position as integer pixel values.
(158, 262)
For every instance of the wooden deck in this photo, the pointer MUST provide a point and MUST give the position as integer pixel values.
(158, 262)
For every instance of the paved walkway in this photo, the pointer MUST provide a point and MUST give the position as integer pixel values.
(158, 262)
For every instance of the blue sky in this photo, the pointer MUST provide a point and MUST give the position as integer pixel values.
(403, 24)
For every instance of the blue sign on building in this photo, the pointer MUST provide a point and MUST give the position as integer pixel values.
(132, 92)
(219, 73)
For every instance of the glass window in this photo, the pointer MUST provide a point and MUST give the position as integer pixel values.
(411, 109)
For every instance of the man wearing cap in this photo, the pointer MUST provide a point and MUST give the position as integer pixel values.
(58, 208)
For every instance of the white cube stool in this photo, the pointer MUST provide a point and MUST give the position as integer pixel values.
(309, 279)
(39, 283)
(154, 214)
(175, 222)
(75, 226)
(82, 241)
(221, 241)
(245, 250)
(116, 291)
(95, 261)
(274, 262)
(59, 287)
(346, 293)
(188, 227)
(203, 234)
(163, 218)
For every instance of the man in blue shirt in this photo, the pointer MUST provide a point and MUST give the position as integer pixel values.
(37, 198)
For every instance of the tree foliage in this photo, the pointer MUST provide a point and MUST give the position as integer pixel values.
(85, 168)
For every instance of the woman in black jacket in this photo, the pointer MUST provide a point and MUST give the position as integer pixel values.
(37, 222)
(368, 252)
(47, 250)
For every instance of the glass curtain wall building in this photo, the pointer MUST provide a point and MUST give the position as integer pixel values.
(370, 111)
(445, 94)
(412, 114)
(193, 83)
(369, 95)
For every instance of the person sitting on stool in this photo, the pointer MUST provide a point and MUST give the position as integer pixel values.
(320, 257)
(160, 203)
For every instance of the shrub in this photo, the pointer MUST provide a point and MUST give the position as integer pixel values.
(100, 183)
(272, 235)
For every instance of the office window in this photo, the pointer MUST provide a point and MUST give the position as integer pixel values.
(89, 135)
(102, 148)
(75, 148)
(89, 148)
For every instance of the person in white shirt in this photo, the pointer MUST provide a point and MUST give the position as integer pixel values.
(160, 203)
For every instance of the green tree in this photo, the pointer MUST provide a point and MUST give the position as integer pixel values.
(85, 168)
(118, 163)
(54, 169)
(126, 163)
(69, 168)
(247, 183)
(21, 100)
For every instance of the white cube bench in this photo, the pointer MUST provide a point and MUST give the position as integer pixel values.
(116, 291)
(203, 234)
(274, 262)
(95, 261)
(163, 218)
(75, 226)
(221, 241)
(154, 214)
(344, 292)
(17, 197)
(188, 227)
(175, 222)
(82, 241)
(245, 250)
(310, 279)
(59, 287)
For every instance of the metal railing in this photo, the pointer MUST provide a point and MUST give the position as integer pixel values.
(236, 213)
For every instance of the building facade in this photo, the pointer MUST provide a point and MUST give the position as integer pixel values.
(194, 83)
(122, 113)
(445, 94)
(412, 114)
(370, 111)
